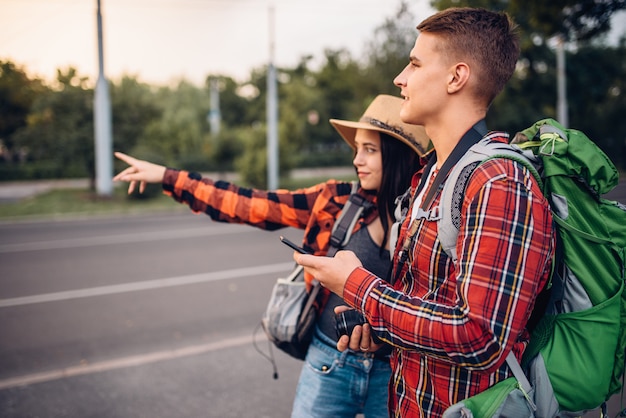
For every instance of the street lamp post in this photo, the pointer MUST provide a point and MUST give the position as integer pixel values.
(272, 114)
(102, 124)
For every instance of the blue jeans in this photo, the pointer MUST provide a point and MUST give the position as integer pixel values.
(335, 385)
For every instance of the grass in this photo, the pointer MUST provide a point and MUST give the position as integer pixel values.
(66, 203)
(73, 202)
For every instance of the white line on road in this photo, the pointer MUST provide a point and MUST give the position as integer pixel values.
(123, 362)
(148, 284)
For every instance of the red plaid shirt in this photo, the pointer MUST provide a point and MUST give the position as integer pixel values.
(313, 209)
(453, 326)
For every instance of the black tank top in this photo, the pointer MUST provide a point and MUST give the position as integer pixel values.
(373, 260)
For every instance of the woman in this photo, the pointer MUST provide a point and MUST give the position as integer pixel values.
(387, 153)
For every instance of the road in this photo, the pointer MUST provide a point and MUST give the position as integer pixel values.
(142, 316)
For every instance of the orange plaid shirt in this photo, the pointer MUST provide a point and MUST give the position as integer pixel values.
(313, 209)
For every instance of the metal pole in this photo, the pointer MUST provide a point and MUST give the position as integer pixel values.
(214, 115)
(562, 113)
(102, 124)
(272, 114)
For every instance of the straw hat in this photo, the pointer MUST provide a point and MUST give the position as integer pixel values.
(383, 115)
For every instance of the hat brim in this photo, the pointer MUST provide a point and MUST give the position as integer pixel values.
(347, 130)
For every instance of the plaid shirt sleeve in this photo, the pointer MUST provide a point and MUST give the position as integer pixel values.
(226, 202)
(455, 325)
(313, 209)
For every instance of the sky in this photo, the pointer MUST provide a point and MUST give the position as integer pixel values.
(162, 41)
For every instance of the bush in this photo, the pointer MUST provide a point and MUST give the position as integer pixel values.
(41, 170)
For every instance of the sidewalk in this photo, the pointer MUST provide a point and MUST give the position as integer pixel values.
(15, 190)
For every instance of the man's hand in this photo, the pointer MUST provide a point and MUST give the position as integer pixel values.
(139, 171)
(361, 338)
(331, 272)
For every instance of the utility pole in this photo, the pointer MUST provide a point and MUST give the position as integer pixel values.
(272, 113)
(102, 124)
(561, 105)
(215, 115)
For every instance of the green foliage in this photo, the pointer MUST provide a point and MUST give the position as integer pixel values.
(40, 170)
(252, 162)
(389, 53)
(133, 107)
(576, 20)
(182, 128)
(60, 125)
(597, 99)
(234, 108)
(47, 131)
(530, 95)
(225, 148)
(17, 94)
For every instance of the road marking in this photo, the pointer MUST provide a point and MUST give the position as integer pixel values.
(117, 239)
(123, 362)
(148, 284)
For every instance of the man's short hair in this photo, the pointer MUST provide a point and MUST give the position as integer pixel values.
(486, 40)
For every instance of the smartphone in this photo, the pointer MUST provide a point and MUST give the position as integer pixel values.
(293, 246)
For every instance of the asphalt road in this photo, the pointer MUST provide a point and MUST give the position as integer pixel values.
(143, 316)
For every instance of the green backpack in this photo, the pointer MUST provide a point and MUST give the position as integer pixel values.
(575, 358)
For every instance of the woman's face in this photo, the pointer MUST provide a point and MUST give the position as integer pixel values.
(368, 159)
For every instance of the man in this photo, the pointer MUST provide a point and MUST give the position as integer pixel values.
(453, 323)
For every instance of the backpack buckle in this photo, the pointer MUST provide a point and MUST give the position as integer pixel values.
(433, 214)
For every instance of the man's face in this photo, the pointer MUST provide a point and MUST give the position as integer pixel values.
(423, 82)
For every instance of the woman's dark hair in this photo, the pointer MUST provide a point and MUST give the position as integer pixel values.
(400, 162)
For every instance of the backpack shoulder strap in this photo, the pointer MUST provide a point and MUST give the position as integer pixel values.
(341, 232)
(480, 152)
(474, 134)
(349, 216)
(448, 232)
(518, 372)
(400, 213)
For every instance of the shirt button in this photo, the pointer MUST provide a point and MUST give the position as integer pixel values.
(366, 363)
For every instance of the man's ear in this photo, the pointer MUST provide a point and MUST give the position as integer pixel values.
(458, 77)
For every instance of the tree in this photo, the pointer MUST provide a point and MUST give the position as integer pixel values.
(181, 133)
(388, 52)
(576, 20)
(17, 94)
(598, 109)
(252, 164)
(133, 108)
(340, 87)
(60, 129)
(233, 107)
